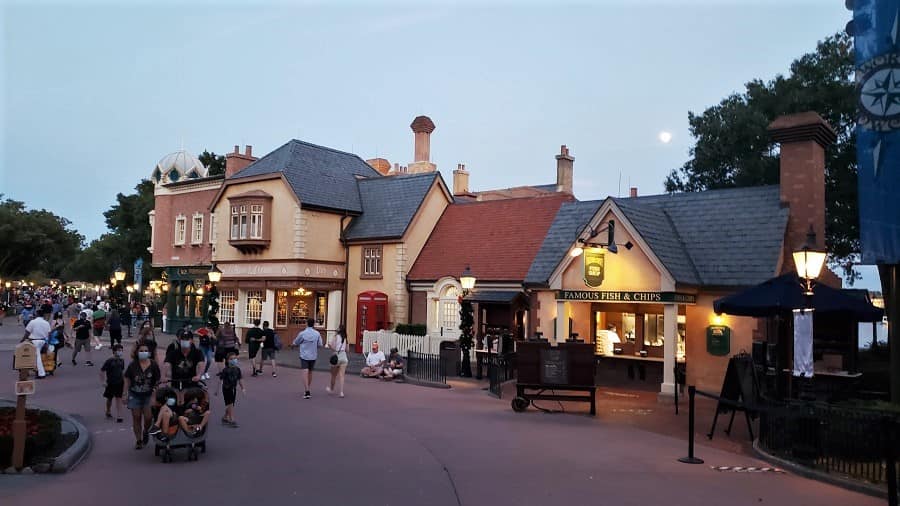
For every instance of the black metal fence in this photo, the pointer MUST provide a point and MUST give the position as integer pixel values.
(500, 368)
(425, 368)
(852, 442)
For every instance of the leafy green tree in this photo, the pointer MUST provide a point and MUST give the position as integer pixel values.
(733, 148)
(214, 163)
(35, 240)
(467, 335)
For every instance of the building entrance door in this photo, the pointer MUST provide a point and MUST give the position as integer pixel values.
(371, 314)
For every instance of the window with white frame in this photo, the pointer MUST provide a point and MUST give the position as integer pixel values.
(180, 226)
(371, 261)
(212, 228)
(255, 300)
(235, 223)
(226, 306)
(256, 221)
(243, 222)
(197, 229)
(448, 309)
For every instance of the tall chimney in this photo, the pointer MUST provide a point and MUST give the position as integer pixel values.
(460, 180)
(564, 170)
(422, 127)
(633, 192)
(803, 137)
(237, 161)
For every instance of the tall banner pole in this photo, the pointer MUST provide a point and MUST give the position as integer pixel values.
(876, 42)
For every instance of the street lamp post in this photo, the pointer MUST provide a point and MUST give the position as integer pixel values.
(466, 321)
(212, 297)
(809, 261)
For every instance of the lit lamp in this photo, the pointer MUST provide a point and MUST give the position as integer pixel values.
(467, 280)
(119, 273)
(214, 274)
(576, 251)
(809, 261)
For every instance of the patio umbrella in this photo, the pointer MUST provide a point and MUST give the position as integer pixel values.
(784, 294)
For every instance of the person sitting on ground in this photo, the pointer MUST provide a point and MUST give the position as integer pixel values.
(394, 368)
(196, 413)
(166, 425)
(375, 361)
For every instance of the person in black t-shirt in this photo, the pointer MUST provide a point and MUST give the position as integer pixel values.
(182, 364)
(268, 349)
(231, 380)
(255, 340)
(112, 376)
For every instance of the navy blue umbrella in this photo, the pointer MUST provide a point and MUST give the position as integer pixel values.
(785, 293)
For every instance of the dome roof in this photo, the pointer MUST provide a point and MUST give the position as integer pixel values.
(178, 166)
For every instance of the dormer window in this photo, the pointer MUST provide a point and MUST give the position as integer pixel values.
(249, 229)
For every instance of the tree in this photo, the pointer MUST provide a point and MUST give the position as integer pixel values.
(466, 338)
(733, 148)
(35, 241)
(215, 164)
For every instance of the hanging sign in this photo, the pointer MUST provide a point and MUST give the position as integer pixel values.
(876, 50)
(594, 264)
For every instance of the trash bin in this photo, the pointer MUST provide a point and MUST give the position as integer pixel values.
(449, 351)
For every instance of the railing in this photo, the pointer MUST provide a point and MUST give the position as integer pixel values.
(501, 368)
(386, 340)
(851, 442)
(425, 368)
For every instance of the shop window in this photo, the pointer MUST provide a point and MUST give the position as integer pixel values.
(299, 312)
(197, 229)
(654, 330)
(321, 305)
(281, 309)
(254, 306)
(226, 306)
(627, 330)
(180, 225)
(371, 261)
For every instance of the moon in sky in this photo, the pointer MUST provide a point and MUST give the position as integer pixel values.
(665, 137)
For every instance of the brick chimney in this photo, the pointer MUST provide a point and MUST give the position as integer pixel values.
(803, 138)
(380, 164)
(564, 170)
(236, 162)
(460, 180)
(633, 192)
(422, 127)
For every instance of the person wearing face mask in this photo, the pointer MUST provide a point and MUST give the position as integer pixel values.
(231, 380)
(148, 336)
(183, 364)
(141, 378)
(166, 420)
(112, 375)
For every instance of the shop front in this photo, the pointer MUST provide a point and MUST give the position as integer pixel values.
(185, 297)
(285, 294)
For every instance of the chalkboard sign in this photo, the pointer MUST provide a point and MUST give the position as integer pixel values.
(554, 367)
(740, 385)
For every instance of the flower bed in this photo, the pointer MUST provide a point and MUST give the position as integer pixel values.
(42, 429)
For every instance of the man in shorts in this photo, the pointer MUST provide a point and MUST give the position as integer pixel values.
(254, 343)
(82, 329)
(309, 340)
(268, 348)
(182, 365)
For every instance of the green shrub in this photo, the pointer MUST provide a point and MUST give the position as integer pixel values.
(411, 329)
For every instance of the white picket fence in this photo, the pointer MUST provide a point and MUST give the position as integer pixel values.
(387, 339)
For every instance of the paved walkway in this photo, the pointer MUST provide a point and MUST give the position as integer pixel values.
(396, 444)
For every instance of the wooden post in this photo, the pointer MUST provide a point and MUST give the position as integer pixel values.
(19, 426)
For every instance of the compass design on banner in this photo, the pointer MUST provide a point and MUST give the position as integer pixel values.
(879, 93)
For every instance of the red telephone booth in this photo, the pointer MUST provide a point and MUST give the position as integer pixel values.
(371, 314)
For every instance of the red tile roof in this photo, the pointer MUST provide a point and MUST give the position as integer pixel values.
(498, 239)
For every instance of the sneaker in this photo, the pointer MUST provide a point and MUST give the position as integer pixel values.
(233, 425)
(98, 346)
(119, 420)
(341, 395)
(274, 375)
(307, 395)
(89, 363)
(74, 362)
(108, 415)
(255, 373)
(328, 389)
(138, 445)
(146, 439)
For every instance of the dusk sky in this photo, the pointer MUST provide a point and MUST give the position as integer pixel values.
(95, 93)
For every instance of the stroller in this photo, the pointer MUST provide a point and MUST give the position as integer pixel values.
(195, 443)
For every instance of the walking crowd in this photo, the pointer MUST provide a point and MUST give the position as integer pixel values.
(166, 389)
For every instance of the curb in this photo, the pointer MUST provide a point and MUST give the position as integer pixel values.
(74, 454)
(812, 474)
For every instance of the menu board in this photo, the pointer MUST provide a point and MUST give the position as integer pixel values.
(554, 367)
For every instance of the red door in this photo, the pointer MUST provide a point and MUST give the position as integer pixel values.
(371, 314)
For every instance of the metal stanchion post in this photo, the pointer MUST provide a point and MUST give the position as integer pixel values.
(690, 459)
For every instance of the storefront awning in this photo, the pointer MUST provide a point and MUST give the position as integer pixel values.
(493, 296)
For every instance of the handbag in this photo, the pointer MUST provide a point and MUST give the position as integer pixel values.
(333, 360)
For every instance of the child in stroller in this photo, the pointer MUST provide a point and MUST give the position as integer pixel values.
(181, 426)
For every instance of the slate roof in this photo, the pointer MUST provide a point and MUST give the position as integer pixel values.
(725, 238)
(497, 238)
(320, 176)
(493, 296)
(571, 218)
(389, 205)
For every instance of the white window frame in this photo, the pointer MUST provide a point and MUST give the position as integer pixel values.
(197, 229)
(256, 221)
(235, 223)
(226, 305)
(180, 229)
(254, 312)
(372, 260)
(212, 228)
